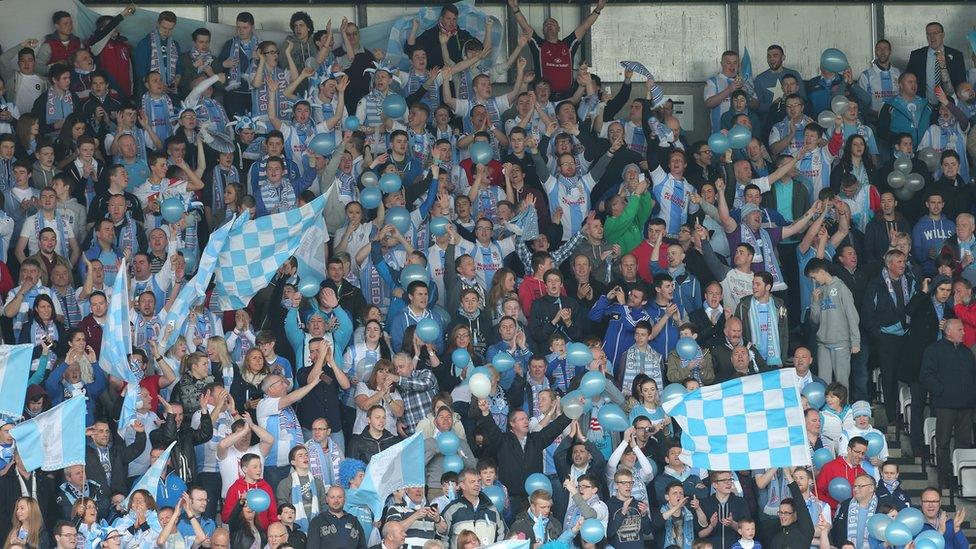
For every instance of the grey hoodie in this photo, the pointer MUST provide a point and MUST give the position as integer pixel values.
(836, 315)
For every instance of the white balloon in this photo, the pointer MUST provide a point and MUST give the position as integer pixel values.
(480, 385)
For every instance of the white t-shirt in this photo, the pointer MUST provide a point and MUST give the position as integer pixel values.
(363, 389)
(230, 466)
(283, 426)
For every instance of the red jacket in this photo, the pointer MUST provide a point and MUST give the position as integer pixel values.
(61, 53)
(236, 492)
(833, 469)
(495, 176)
(967, 314)
(643, 255)
(116, 60)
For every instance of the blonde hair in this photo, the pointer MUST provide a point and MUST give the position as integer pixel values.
(218, 345)
(34, 524)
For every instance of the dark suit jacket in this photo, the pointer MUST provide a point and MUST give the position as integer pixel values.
(120, 455)
(955, 61)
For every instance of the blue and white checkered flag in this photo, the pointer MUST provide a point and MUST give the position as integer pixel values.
(15, 365)
(510, 544)
(54, 439)
(638, 68)
(753, 422)
(117, 332)
(195, 291)
(399, 466)
(256, 248)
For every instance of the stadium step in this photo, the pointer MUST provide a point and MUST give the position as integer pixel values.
(916, 477)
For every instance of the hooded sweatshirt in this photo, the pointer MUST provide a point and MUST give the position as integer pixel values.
(929, 234)
(837, 316)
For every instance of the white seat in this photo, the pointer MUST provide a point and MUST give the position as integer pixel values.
(905, 405)
(966, 477)
(929, 431)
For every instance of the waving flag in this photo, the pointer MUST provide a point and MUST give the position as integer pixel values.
(196, 289)
(399, 466)
(256, 248)
(15, 363)
(117, 333)
(753, 422)
(638, 68)
(54, 439)
(746, 69)
(150, 480)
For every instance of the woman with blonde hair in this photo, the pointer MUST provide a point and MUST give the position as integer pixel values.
(222, 366)
(27, 526)
(246, 389)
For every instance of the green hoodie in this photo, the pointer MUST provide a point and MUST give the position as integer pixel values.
(627, 229)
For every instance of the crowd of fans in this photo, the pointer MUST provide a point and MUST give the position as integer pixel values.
(839, 240)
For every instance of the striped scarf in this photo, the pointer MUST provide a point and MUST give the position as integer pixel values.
(237, 47)
(299, 493)
(416, 81)
(765, 252)
(853, 510)
(196, 55)
(70, 306)
(6, 173)
(126, 238)
(219, 184)
(374, 107)
(159, 111)
(167, 71)
(60, 227)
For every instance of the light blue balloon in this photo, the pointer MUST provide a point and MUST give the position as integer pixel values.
(480, 152)
(673, 390)
(172, 209)
(592, 530)
(822, 457)
(351, 123)
(453, 463)
(897, 533)
(932, 537)
(192, 260)
(875, 443)
(448, 443)
(593, 384)
(394, 106)
(496, 495)
(612, 418)
(912, 518)
(739, 136)
(840, 489)
(369, 179)
(719, 143)
(309, 285)
(687, 348)
(578, 354)
(399, 217)
(412, 273)
(390, 183)
(538, 481)
(877, 525)
(460, 357)
(816, 394)
(503, 361)
(834, 60)
(428, 330)
(370, 197)
(258, 500)
(438, 225)
(323, 143)
(573, 405)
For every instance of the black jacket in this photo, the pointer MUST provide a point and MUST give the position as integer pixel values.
(350, 297)
(876, 241)
(884, 309)
(955, 63)
(363, 446)
(541, 328)
(183, 458)
(709, 335)
(47, 491)
(119, 455)
(798, 535)
(514, 462)
(949, 373)
(924, 332)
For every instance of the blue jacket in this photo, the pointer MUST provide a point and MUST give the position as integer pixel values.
(296, 335)
(929, 234)
(687, 292)
(953, 539)
(402, 320)
(667, 338)
(620, 331)
(56, 390)
(896, 118)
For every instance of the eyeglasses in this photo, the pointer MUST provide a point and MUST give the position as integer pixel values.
(863, 486)
(934, 502)
(624, 482)
(723, 479)
(586, 486)
(785, 513)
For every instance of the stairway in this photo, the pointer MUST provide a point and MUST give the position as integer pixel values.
(915, 477)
